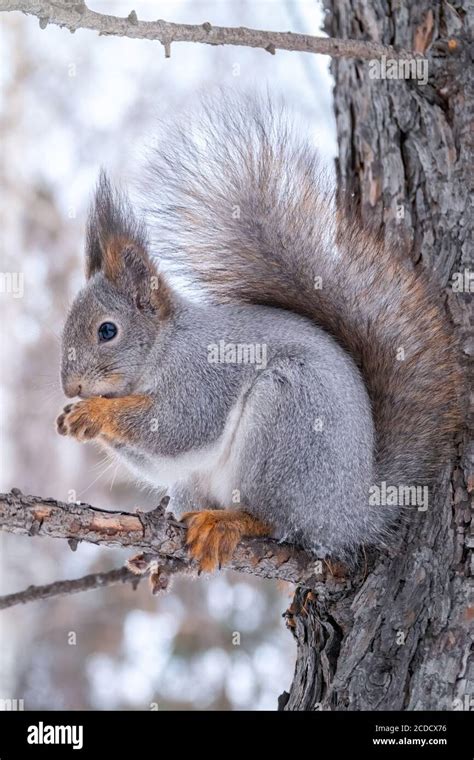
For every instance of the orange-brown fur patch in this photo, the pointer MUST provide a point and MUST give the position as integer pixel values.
(161, 294)
(113, 255)
(162, 297)
(213, 534)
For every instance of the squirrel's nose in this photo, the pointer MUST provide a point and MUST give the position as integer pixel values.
(72, 388)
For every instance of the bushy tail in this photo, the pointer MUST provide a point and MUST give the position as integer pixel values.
(241, 202)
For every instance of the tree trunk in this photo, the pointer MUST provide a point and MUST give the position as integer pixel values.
(397, 637)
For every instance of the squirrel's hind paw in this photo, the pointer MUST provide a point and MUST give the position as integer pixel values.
(213, 535)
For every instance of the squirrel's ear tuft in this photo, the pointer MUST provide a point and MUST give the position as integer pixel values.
(112, 226)
(117, 246)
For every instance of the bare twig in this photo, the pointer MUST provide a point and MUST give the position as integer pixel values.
(158, 572)
(158, 536)
(76, 15)
(60, 588)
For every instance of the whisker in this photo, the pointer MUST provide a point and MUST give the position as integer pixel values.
(96, 479)
(114, 476)
(100, 463)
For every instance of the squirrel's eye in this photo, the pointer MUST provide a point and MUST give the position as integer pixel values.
(107, 331)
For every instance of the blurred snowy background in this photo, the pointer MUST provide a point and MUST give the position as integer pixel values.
(68, 104)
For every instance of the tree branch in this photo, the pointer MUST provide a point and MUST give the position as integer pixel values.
(61, 588)
(76, 15)
(160, 538)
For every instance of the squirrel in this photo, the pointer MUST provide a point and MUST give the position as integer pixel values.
(317, 364)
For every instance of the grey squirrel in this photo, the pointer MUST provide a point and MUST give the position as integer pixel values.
(320, 365)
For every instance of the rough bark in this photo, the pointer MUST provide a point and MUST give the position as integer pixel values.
(400, 639)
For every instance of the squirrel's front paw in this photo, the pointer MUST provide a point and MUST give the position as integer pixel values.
(76, 420)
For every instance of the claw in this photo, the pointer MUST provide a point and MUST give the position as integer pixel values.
(213, 535)
(76, 420)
